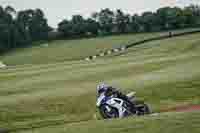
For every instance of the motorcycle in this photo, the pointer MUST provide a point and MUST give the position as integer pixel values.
(130, 107)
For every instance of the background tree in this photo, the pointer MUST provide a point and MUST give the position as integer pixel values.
(106, 18)
(192, 15)
(78, 25)
(149, 21)
(34, 24)
(7, 28)
(135, 23)
(121, 21)
(21, 28)
(38, 26)
(92, 27)
(65, 27)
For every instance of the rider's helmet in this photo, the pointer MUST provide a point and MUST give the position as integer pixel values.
(101, 88)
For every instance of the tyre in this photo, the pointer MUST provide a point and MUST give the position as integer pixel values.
(108, 112)
(130, 109)
(142, 109)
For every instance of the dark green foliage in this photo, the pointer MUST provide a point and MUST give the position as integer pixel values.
(107, 22)
(21, 28)
(122, 22)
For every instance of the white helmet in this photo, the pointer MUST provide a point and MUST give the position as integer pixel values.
(101, 88)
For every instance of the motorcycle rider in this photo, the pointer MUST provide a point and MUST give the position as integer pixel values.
(108, 91)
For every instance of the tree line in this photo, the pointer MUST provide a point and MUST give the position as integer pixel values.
(19, 29)
(108, 22)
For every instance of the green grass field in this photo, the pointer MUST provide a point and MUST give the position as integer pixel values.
(50, 91)
(165, 123)
(60, 51)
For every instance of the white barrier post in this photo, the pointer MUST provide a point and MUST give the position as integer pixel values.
(109, 52)
(116, 50)
(46, 45)
(87, 59)
(102, 54)
(2, 65)
(123, 48)
(94, 57)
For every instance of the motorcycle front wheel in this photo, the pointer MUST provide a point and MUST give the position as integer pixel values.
(108, 112)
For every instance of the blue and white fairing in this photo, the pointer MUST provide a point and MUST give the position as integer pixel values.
(112, 102)
(102, 99)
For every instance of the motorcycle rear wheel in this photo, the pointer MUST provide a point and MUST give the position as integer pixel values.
(142, 109)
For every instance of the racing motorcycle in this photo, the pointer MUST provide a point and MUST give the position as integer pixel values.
(107, 106)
